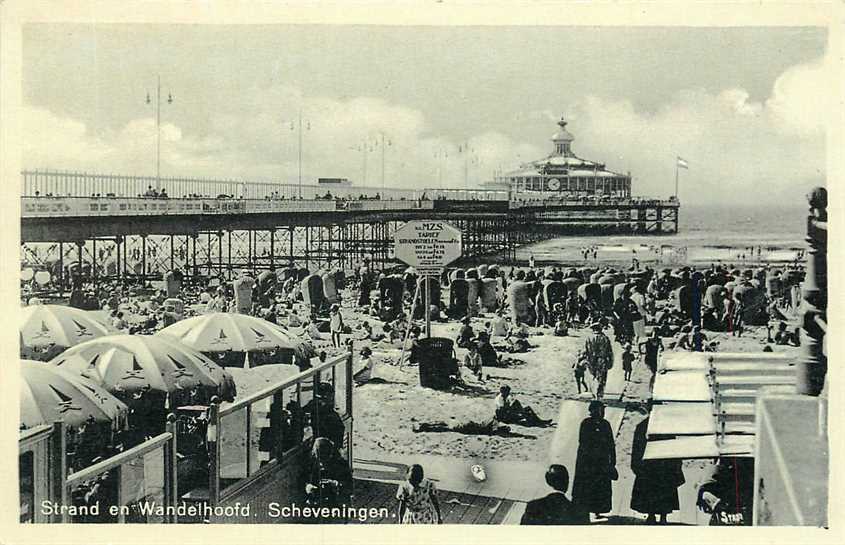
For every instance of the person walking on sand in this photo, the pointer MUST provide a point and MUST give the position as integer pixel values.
(595, 464)
(579, 368)
(650, 348)
(656, 482)
(598, 352)
(417, 497)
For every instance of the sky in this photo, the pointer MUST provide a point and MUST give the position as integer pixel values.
(741, 105)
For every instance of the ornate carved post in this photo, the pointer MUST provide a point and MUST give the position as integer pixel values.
(812, 366)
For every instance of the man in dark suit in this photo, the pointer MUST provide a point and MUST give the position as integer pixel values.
(555, 509)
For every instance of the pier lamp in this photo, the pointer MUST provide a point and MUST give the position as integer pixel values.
(299, 125)
(158, 127)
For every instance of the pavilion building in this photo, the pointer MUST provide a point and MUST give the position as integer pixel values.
(565, 174)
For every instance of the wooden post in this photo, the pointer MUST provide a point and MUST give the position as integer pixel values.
(427, 307)
(171, 488)
(57, 454)
(212, 437)
(812, 366)
(348, 371)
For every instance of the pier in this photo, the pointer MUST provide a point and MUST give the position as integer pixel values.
(107, 227)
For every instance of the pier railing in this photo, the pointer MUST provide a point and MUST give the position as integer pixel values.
(85, 184)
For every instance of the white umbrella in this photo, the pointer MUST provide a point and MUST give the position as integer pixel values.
(45, 325)
(127, 363)
(223, 331)
(49, 394)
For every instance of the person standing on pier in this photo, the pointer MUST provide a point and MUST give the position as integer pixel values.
(598, 352)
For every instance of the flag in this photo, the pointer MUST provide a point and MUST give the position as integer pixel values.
(682, 163)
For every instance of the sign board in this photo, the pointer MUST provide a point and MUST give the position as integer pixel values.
(428, 246)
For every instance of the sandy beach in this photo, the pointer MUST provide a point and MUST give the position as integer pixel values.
(387, 408)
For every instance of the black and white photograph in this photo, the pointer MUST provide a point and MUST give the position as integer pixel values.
(414, 271)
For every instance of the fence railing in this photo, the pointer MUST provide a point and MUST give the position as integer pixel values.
(42, 469)
(135, 483)
(273, 427)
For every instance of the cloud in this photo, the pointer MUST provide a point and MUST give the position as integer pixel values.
(739, 150)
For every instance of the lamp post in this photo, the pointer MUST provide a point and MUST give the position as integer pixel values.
(384, 143)
(293, 126)
(440, 155)
(470, 155)
(158, 127)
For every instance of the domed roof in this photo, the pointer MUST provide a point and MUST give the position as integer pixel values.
(562, 134)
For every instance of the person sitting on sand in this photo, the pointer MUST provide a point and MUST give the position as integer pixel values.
(118, 322)
(369, 334)
(499, 327)
(312, 331)
(517, 339)
(510, 411)
(366, 364)
(218, 302)
(489, 357)
(294, 320)
(472, 361)
(398, 328)
(465, 335)
(561, 327)
(783, 337)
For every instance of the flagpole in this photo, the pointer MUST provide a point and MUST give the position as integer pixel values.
(676, 178)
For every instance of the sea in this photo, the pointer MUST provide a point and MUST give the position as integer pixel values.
(706, 234)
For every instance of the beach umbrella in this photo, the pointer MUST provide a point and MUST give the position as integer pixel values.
(49, 394)
(43, 326)
(125, 364)
(230, 332)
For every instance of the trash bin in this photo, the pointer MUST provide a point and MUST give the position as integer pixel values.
(437, 363)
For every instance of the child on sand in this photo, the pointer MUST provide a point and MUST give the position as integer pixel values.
(627, 361)
(472, 361)
(579, 367)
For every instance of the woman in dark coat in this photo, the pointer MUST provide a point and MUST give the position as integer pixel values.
(656, 484)
(595, 465)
